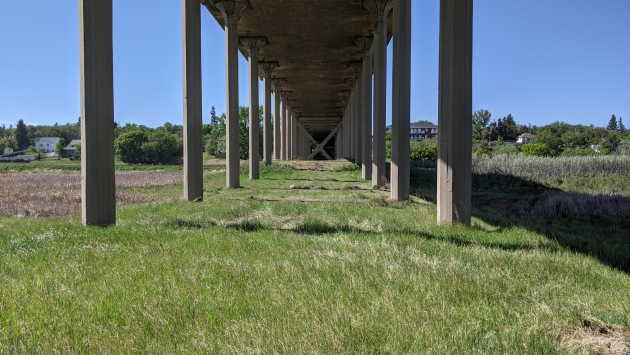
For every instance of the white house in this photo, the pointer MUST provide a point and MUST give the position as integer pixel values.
(420, 131)
(525, 138)
(47, 144)
(8, 151)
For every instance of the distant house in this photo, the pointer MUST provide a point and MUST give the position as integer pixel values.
(7, 151)
(71, 149)
(47, 144)
(420, 131)
(525, 138)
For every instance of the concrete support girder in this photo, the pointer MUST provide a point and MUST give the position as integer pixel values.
(379, 10)
(454, 109)
(266, 69)
(193, 148)
(365, 43)
(98, 183)
(401, 101)
(253, 46)
(231, 11)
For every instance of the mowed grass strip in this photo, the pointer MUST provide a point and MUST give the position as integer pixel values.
(331, 266)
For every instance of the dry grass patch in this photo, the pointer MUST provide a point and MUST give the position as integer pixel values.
(45, 194)
(596, 337)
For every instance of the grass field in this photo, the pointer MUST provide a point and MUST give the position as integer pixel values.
(331, 266)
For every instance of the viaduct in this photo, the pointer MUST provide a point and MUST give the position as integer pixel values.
(325, 63)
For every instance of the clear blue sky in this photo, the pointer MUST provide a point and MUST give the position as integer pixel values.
(540, 60)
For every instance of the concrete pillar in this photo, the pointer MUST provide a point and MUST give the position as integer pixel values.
(379, 10)
(287, 130)
(454, 109)
(266, 69)
(365, 43)
(358, 113)
(277, 118)
(253, 46)
(231, 11)
(401, 100)
(296, 137)
(193, 147)
(98, 183)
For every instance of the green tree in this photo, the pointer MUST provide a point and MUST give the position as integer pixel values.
(160, 147)
(538, 149)
(60, 147)
(388, 145)
(480, 122)
(128, 145)
(77, 150)
(21, 135)
(612, 124)
(423, 122)
(620, 127)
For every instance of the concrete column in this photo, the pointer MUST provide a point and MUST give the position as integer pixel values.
(365, 43)
(454, 109)
(358, 113)
(98, 183)
(401, 100)
(277, 118)
(253, 46)
(266, 69)
(379, 10)
(296, 136)
(193, 147)
(287, 131)
(231, 11)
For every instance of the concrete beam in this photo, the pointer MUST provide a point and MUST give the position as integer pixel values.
(231, 11)
(454, 112)
(401, 100)
(98, 183)
(193, 146)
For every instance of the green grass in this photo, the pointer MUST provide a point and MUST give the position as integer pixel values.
(332, 267)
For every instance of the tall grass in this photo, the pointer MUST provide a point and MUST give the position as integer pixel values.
(533, 167)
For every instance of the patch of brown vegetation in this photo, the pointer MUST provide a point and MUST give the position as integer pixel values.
(596, 337)
(43, 194)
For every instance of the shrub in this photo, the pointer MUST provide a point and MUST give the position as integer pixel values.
(423, 152)
(537, 149)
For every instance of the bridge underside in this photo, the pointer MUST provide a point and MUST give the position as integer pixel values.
(324, 64)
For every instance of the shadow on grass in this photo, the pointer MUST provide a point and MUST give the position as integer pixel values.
(594, 225)
(315, 226)
(247, 226)
(178, 223)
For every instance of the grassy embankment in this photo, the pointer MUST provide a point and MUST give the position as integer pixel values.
(330, 267)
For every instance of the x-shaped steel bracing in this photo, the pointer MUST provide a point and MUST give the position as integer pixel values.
(319, 147)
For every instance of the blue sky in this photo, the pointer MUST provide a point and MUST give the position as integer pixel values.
(540, 60)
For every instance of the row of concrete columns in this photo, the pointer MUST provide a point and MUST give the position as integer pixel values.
(356, 136)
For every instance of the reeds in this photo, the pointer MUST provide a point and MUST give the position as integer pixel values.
(44, 194)
(532, 167)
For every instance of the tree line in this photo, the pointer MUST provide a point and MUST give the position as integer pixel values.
(139, 144)
(555, 139)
